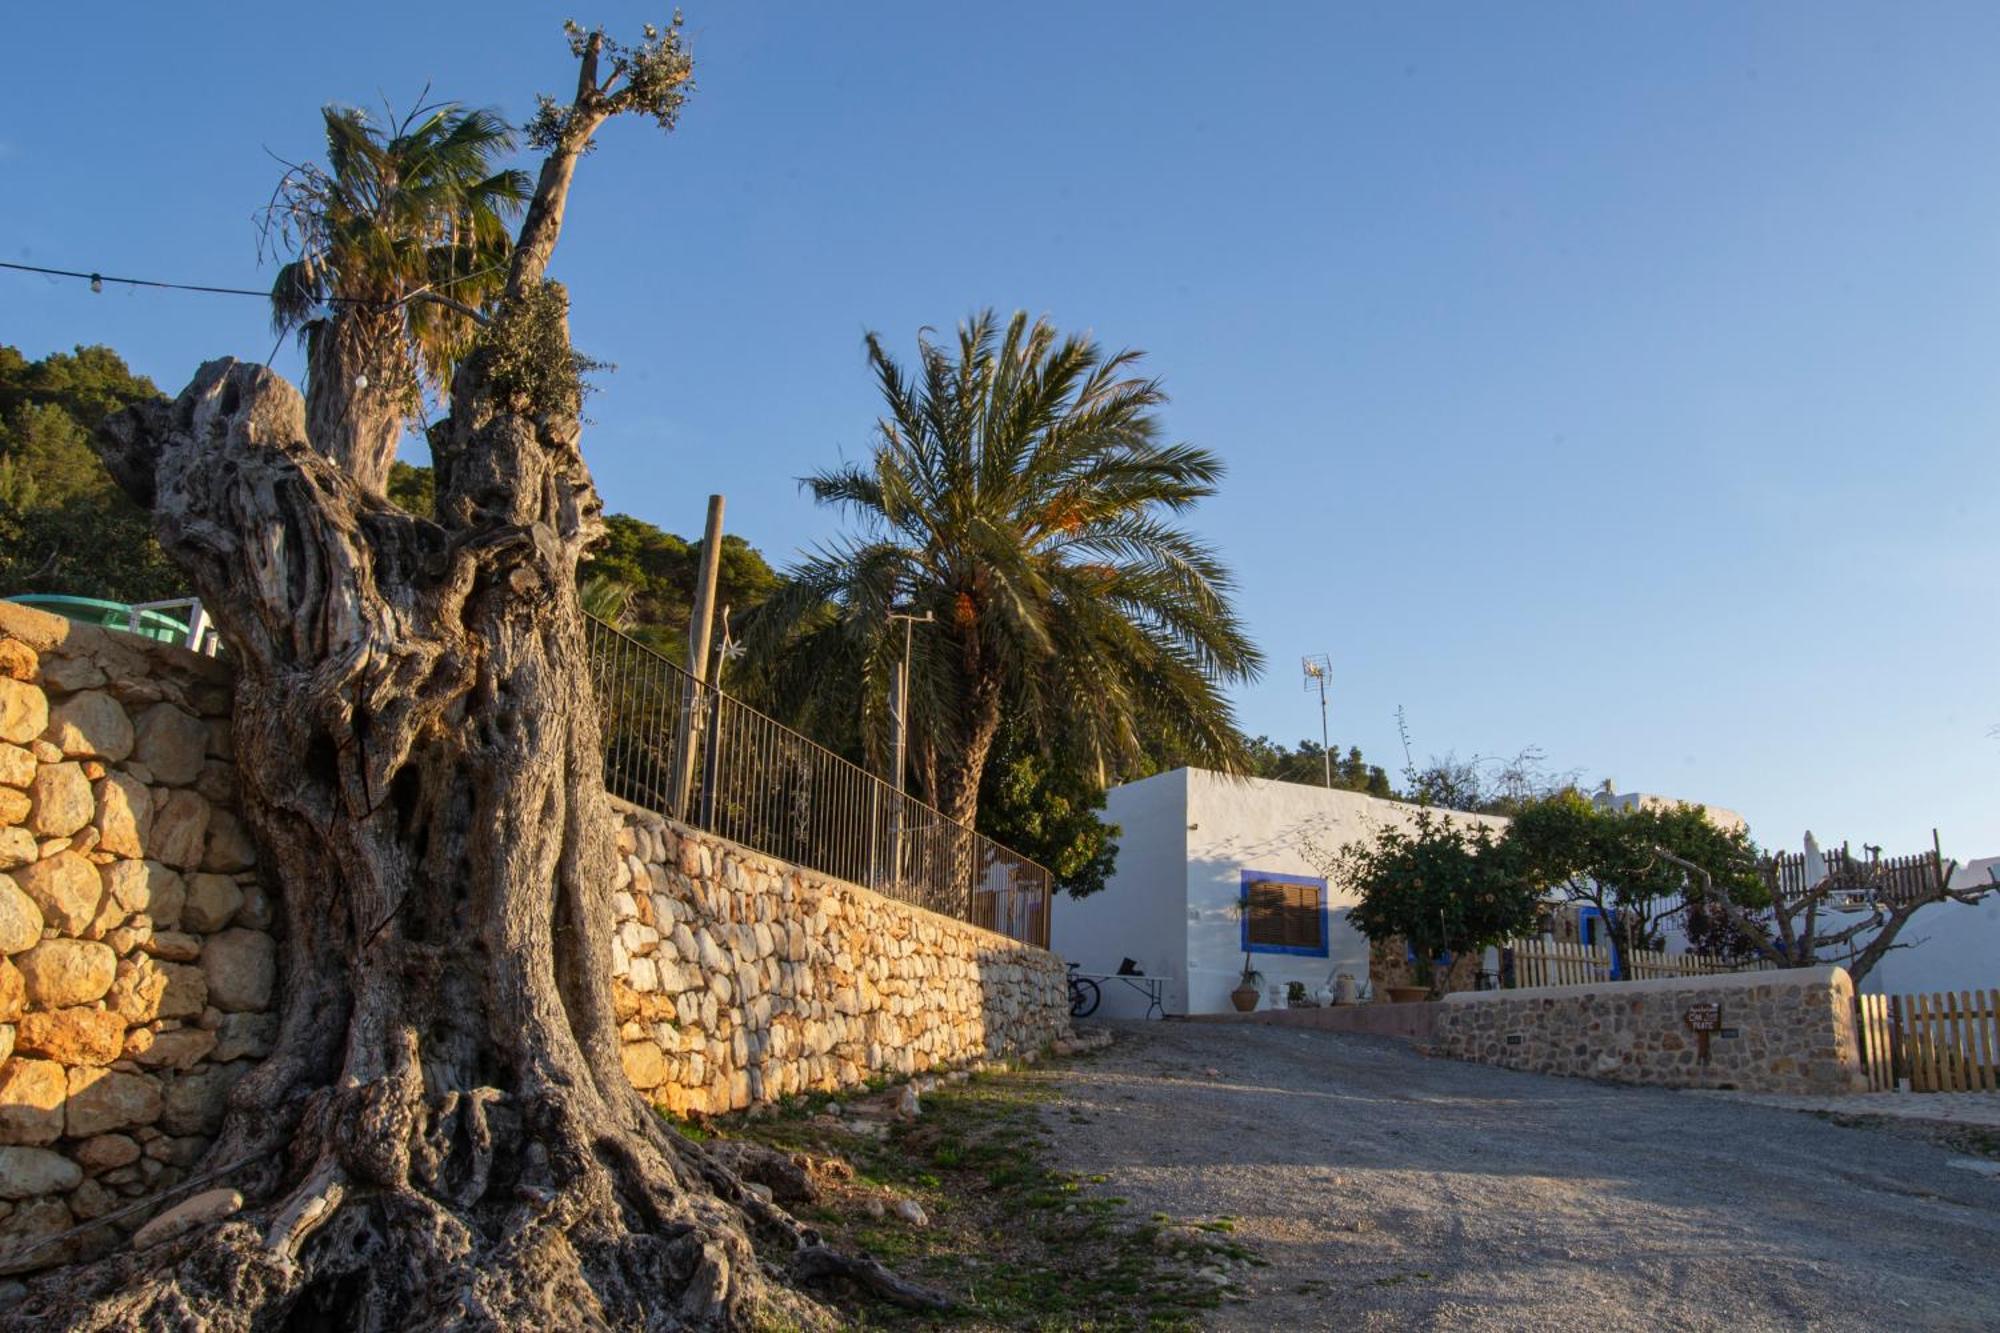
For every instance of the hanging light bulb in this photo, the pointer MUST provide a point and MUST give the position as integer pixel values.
(96, 283)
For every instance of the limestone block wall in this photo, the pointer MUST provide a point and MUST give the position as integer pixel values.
(740, 979)
(1790, 1031)
(136, 983)
(138, 962)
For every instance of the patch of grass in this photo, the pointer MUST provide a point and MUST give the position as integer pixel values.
(1019, 1244)
(688, 1129)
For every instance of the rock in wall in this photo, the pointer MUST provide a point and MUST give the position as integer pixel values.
(139, 965)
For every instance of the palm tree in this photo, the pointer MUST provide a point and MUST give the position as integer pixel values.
(1020, 491)
(398, 241)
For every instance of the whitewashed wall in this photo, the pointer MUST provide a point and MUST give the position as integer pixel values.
(1240, 824)
(1187, 838)
(1142, 913)
(1953, 946)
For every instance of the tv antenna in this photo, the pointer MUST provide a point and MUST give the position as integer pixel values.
(1317, 670)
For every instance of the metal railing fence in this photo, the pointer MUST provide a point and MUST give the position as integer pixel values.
(691, 752)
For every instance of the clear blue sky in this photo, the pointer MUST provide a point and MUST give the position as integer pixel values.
(1622, 380)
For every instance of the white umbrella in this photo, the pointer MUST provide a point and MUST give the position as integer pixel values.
(1815, 863)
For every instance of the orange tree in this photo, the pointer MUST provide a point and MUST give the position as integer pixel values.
(1443, 886)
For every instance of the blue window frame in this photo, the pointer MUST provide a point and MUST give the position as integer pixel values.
(1285, 914)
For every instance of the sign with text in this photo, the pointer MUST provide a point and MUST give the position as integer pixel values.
(1702, 1019)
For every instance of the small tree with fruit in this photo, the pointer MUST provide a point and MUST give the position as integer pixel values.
(1442, 886)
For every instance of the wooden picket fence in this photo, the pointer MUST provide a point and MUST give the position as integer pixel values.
(1646, 964)
(1552, 963)
(1931, 1043)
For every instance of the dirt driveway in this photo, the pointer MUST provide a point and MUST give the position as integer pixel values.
(1388, 1190)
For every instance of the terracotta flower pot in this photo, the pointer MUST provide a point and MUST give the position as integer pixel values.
(1408, 994)
(1245, 997)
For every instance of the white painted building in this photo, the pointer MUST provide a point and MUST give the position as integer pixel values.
(1645, 800)
(1952, 946)
(1194, 846)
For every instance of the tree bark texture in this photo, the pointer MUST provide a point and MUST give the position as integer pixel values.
(443, 1136)
(359, 390)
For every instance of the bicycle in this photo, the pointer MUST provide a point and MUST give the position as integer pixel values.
(1083, 995)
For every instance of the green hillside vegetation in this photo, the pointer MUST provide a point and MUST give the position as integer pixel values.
(1307, 764)
(64, 527)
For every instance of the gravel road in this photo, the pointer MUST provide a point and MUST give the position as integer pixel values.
(1388, 1190)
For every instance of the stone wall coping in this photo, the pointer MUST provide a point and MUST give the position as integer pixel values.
(680, 830)
(1788, 977)
(47, 632)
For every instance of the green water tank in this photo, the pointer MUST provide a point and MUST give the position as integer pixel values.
(112, 615)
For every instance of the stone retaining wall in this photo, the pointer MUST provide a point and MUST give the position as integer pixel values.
(741, 979)
(1790, 1031)
(138, 964)
(136, 982)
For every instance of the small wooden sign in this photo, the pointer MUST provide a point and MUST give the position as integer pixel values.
(1702, 1019)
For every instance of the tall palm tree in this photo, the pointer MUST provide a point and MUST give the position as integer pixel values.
(397, 241)
(1020, 491)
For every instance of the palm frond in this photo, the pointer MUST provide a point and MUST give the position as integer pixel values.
(1021, 491)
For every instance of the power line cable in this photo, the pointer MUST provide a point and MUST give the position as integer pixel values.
(97, 281)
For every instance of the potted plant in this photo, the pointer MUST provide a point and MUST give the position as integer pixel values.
(1251, 984)
(1297, 998)
(1244, 997)
(1424, 975)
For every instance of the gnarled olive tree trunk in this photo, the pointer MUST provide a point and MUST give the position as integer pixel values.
(443, 1135)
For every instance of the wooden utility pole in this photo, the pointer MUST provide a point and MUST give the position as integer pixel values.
(700, 629)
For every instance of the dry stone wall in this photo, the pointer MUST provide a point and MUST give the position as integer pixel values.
(1790, 1031)
(741, 979)
(138, 964)
(137, 980)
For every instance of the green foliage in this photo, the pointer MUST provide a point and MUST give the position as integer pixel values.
(1020, 490)
(88, 384)
(1443, 885)
(1568, 843)
(652, 77)
(1047, 811)
(414, 488)
(658, 573)
(64, 525)
(401, 212)
(1307, 765)
(526, 359)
